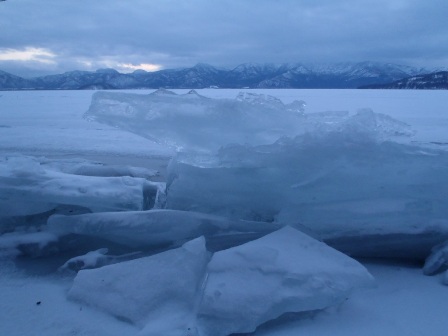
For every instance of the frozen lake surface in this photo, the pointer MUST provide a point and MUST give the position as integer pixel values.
(50, 124)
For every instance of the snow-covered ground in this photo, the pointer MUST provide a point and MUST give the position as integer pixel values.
(404, 303)
(49, 126)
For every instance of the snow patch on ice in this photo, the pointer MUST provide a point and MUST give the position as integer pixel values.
(93, 259)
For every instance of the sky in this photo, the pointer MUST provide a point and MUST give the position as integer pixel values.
(54, 36)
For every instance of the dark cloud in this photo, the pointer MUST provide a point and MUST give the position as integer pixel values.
(174, 33)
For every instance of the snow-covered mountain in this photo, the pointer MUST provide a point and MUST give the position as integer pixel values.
(8, 81)
(100, 79)
(433, 81)
(248, 75)
(339, 75)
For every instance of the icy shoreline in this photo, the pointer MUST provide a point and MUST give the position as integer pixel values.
(115, 239)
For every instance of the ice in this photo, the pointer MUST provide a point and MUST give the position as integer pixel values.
(179, 292)
(50, 123)
(285, 271)
(345, 181)
(89, 168)
(32, 244)
(159, 293)
(256, 99)
(191, 122)
(93, 259)
(437, 261)
(376, 125)
(146, 229)
(28, 187)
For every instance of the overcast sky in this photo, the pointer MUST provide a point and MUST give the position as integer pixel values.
(52, 36)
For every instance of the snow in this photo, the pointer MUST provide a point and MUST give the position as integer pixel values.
(55, 315)
(49, 152)
(92, 259)
(34, 244)
(393, 307)
(403, 303)
(51, 123)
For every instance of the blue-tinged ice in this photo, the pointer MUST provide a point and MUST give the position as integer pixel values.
(184, 292)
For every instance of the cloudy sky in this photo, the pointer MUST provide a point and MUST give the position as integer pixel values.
(52, 36)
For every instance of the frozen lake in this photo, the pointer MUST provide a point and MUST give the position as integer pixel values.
(51, 124)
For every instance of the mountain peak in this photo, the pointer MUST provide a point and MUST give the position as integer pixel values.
(432, 81)
(139, 72)
(247, 75)
(107, 70)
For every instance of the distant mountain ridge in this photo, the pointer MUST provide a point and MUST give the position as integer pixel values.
(434, 81)
(248, 75)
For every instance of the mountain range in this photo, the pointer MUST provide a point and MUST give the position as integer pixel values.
(248, 75)
(433, 81)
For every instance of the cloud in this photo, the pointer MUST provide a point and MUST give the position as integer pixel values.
(28, 54)
(144, 66)
(178, 33)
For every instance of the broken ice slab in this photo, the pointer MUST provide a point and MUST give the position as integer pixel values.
(27, 188)
(182, 292)
(285, 271)
(341, 185)
(154, 228)
(160, 292)
(91, 168)
(192, 122)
